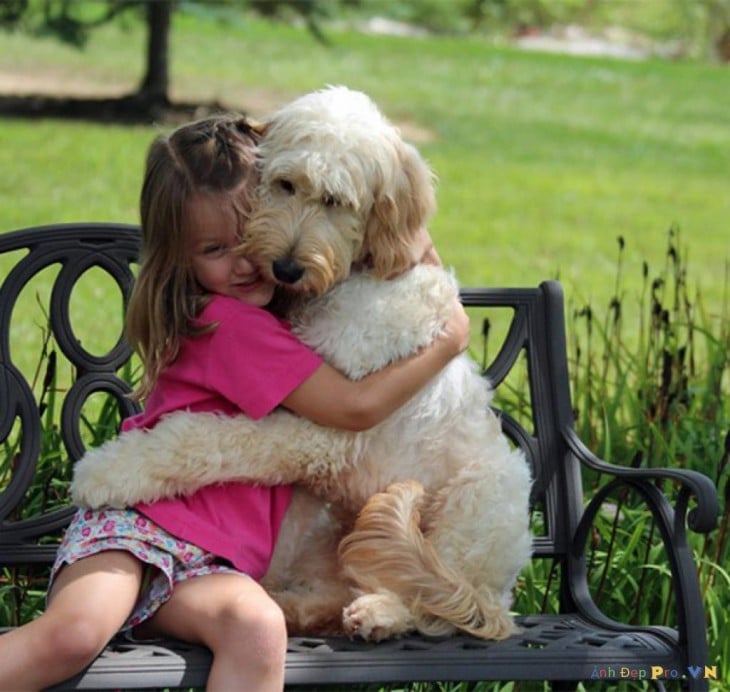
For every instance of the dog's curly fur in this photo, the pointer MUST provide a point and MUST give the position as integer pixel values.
(433, 502)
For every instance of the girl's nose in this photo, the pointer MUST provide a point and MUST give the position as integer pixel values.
(243, 264)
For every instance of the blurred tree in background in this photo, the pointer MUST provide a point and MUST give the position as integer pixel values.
(72, 20)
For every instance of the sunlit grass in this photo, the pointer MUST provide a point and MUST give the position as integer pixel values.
(543, 160)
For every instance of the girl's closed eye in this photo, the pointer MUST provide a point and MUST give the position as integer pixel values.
(215, 249)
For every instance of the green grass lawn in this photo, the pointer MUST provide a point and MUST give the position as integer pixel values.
(543, 160)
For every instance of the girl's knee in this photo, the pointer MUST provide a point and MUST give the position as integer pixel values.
(250, 650)
(77, 642)
(259, 623)
(265, 620)
(271, 625)
(271, 640)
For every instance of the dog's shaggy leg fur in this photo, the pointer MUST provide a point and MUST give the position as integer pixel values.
(387, 550)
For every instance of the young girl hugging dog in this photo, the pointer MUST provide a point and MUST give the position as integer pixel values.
(189, 567)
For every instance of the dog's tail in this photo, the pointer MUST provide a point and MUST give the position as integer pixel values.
(388, 550)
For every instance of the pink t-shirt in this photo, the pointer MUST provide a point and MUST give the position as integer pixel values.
(249, 364)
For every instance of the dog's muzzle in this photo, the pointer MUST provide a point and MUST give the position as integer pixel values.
(287, 270)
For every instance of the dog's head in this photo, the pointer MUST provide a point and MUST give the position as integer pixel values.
(339, 186)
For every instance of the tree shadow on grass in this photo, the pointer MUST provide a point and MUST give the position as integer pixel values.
(125, 110)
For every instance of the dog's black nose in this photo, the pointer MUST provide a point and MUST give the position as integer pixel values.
(287, 270)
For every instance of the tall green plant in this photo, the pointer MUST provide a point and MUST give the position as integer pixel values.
(658, 398)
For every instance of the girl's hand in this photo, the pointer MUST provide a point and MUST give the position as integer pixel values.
(457, 329)
(423, 251)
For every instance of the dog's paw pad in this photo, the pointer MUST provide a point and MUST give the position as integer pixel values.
(357, 626)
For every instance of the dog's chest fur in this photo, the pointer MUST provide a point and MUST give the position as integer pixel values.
(362, 325)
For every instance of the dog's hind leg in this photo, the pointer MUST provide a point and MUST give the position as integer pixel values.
(304, 577)
(388, 551)
(316, 610)
(479, 523)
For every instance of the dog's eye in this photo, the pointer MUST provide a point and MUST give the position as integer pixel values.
(330, 200)
(287, 186)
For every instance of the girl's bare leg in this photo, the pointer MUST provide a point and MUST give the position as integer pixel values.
(89, 602)
(235, 618)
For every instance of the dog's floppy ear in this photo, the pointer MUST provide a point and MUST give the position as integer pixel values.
(402, 207)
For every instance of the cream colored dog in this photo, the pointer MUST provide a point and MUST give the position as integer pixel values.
(441, 498)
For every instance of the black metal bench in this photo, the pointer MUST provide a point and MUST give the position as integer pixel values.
(575, 642)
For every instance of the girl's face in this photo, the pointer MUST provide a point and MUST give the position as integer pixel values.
(217, 268)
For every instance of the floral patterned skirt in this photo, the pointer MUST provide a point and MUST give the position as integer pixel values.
(169, 560)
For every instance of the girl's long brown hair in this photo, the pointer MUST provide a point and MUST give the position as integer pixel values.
(213, 155)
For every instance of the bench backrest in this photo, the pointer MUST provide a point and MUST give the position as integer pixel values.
(27, 425)
(534, 338)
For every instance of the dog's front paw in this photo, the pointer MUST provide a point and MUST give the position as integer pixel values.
(92, 487)
(117, 474)
(375, 617)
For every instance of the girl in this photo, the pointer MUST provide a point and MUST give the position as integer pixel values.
(189, 567)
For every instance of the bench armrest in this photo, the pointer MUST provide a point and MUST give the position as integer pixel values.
(671, 522)
(703, 516)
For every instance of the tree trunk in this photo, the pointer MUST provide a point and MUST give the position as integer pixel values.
(154, 86)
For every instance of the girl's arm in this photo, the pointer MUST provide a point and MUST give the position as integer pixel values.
(186, 451)
(329, 398)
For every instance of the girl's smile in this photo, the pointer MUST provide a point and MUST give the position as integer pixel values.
(214, 238)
